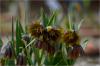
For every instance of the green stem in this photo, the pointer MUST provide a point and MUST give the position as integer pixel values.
(30, 43)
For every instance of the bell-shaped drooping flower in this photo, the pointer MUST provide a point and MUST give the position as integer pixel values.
(54, 34)
(71, 38)
(45, 46)
(39, 44)
(21, 59)
(7, 51)
(76, 52)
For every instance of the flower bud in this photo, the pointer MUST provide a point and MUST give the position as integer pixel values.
(7, 50)
(21, 59)
(26, 38)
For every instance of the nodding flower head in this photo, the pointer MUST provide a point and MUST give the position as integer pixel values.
(52, 34)
(26, 38)
(7, 50)
(21, 59)
(76, 52)
(45, 46)
(36, 29)
(71, 38)
(39, 44)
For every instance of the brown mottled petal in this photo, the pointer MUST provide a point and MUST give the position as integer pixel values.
(71, 38)
(75, 52)
(36, 29)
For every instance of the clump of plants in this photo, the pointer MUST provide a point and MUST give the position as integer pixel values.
(43, 43)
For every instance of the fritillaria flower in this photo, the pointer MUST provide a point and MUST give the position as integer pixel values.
(7, 50)
(71, 38)
(39, 44)
(26, 38)
(45, 46)
(54, 34)
(36, 29)
(76, 52)
(21, 59)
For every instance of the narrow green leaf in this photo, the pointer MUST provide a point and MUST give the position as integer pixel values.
(57, 58)
(12, 31)
(52, 19)
(44, 18)
(19, 32)
(59, 63)
(64, 53)
(67, 25)
(30, 43)
(70, 22)
(84, 43)
(29, 57)
(43, 59)
(17, 37)
(75, 27)
(21, 28)
(1, 43)
(36, 52)
(12, 42)
(79, 25)
(9, 62)
(48, 60)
